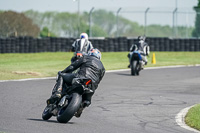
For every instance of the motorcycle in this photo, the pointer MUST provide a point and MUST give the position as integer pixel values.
(136, 62)
(70, 102)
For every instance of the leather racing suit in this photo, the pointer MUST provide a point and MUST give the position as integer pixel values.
(89, 67)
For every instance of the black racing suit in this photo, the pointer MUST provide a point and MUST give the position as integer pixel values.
(89, 67)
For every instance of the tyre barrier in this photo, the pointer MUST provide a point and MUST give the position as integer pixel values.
(53, 44)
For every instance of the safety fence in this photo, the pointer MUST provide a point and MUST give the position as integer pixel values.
(33, 45)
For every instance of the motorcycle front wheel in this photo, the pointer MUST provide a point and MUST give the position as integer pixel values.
(47, 113)
(68, 111)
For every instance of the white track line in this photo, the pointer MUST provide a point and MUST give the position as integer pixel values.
(109, 71)
(180, 119)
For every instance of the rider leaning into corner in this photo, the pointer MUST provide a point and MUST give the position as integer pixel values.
(81, 46)
(142, 47)
(90, 66)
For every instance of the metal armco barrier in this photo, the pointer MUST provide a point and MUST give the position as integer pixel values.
(33, 45)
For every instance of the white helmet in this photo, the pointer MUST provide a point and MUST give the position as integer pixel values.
(84, 35)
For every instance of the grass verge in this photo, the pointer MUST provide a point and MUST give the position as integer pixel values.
(36, 65)
(192, 118)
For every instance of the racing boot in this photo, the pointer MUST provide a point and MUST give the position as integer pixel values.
(54, 97)
(57, 91)
(84, 104)
(141, 65)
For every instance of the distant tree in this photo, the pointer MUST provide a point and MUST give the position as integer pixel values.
(65, 24)
(46, 33)
(13, 23)
(196, 31)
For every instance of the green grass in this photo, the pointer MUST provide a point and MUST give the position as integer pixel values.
(192, 118)
(34, 65)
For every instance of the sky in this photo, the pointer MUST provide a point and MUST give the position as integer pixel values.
(113, 5)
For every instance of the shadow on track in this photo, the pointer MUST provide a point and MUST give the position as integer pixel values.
(53, 121)
(125, 74)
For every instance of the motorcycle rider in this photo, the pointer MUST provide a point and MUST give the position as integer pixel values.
(81, 46)
(90, 66)
(142, 47)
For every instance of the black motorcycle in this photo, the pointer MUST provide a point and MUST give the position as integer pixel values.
(70, 102)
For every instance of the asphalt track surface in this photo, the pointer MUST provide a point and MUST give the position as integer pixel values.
(123, 103)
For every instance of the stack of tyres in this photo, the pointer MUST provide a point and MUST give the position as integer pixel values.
(125, 44)
(46, 44)
(121, 43)
(31, 46)
(157, 44)
(96, 43)
(109, 45)
(63, 44)
(112, 44)
(176, 45)
(58, 44)
(162, 44)
(8, 45)
(17, 44)
(102, 47)
(182, 44)
(26, 44)
(102, 41)
(115, 45)
(197, 44)
(130, 42)
(151, 44)
(0, 45)
(187, 44)
(192, 44)
(34, 45)
(92, 41)
(31, 40)
(167, 44)
(68, 45)
(13, 44)
(53, 44)
(22, 43)
(39, 45)
(171, 44)
(3, 45)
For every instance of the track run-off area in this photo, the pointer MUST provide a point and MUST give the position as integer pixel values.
(149, 103)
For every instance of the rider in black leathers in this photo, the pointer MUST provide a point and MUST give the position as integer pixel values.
(89, 66)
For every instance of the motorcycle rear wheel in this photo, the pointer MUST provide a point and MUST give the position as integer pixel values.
(67, 112)
(134, 68)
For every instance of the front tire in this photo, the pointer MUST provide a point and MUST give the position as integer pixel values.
(46, 113)
(67, 112)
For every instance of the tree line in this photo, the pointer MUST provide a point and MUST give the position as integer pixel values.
(65, 24)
